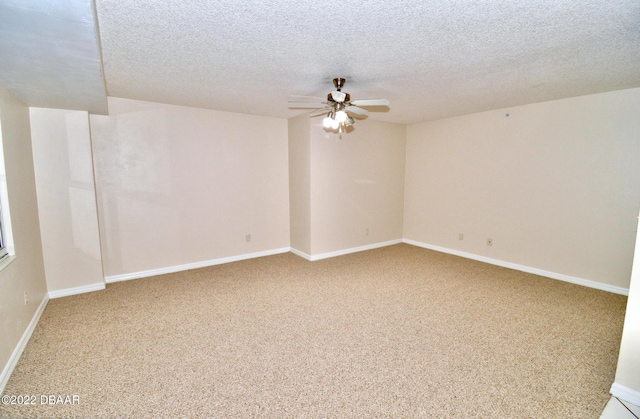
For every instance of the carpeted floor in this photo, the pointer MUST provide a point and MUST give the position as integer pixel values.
(393, 332)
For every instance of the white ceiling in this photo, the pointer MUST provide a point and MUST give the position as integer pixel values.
(50, 54)
(431, 59)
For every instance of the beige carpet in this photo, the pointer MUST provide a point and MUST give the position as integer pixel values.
(394, 332)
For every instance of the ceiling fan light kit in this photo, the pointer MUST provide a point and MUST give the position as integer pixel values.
(339, 105)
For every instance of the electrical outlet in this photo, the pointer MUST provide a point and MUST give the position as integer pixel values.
(247, 238)
(26, 299)
(460, 236)
(366, 233)
(489, 242)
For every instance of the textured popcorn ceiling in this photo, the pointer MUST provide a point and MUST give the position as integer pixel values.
(432, 59)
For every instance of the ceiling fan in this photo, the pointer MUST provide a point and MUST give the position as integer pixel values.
(339, 105)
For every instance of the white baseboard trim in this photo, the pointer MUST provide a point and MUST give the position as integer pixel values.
(523, 268)
(76, 290)
(22, 343)
(300, 253)
(195, 265)
(625, 393)
(345, 251)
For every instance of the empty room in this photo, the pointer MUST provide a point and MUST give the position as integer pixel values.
(319, 209)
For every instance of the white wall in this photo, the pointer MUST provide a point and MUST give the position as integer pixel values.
(300, 183)
(179, 185)
(357, 183)
(26, 272)
(556, 185)
(66, 200)
(627, 381)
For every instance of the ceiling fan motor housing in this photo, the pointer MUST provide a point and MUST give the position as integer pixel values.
(347, 98)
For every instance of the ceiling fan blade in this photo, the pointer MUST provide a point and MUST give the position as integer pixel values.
(371, 102)
(338, 96)
(319, 112)
(356, 110)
